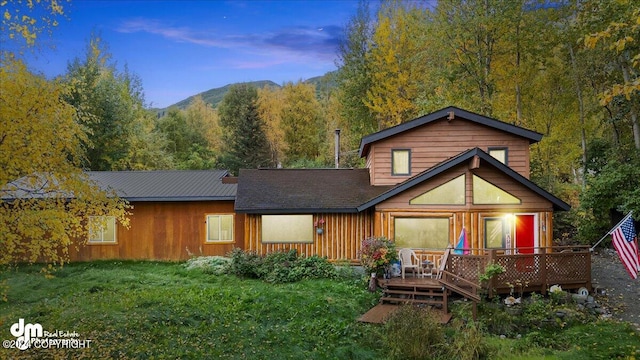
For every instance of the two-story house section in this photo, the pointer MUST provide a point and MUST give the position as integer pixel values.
(453, 170)
(425, 181)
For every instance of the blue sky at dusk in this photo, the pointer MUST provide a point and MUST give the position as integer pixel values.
(180, 48)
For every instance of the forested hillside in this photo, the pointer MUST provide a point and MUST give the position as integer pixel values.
(567, 69)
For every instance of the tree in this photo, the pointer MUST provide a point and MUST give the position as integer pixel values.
(395, 76)
(25, 20)
(620, 39)
(109, 103)
(46, 197)
(301, 122)
(353, 78)
(270, 104)
(243, 130)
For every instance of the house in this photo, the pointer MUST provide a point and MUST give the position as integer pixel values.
(425, 181)
(175, 214)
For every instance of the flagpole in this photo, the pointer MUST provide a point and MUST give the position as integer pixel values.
(609, 233)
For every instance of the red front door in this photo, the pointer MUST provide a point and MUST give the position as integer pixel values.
(525, 234)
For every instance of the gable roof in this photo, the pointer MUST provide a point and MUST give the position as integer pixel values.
(366, 141)
(461, 159)
(166, 185)
(288, 191)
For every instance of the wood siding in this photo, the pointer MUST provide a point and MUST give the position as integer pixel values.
(165, 231)
(341, 238)
(470, 216)
(530, 200)
(434, 142)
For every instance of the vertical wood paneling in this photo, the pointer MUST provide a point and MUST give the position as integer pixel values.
(165, 231)
(341, 239)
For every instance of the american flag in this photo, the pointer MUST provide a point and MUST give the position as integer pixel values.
(626, 244)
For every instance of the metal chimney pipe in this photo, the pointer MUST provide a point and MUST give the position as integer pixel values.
(337, 148)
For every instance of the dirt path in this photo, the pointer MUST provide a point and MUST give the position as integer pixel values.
(615, 289)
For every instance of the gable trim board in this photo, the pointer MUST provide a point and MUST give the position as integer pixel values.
(366, 141)
(466, 156)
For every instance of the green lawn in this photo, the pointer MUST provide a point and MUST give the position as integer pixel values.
(162, 310)
(149, 310)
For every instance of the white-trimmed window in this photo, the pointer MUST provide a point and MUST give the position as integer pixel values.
(220, 228)
(102, 229)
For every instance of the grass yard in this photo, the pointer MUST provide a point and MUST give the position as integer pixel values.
(164, 311)
(151, 310)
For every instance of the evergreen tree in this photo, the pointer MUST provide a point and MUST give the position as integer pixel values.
(243, 130)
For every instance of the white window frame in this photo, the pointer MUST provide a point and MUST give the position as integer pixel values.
(102, 221)
(220, 216)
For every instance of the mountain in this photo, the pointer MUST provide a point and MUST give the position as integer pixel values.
(215, 95)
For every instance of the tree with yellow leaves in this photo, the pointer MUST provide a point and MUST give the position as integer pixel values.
(45, 198)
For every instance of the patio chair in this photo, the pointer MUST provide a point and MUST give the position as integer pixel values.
(409, 260)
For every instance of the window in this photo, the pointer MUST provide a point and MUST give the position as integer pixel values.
(500, 154)
(494, 233)
(219, 228)
(422, 233)
(485, 192)
(449, 193)
(102, 229)
(287, 228)
(401, 162)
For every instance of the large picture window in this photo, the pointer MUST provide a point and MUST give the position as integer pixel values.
(401, 162)
(219, 228)
(422, 233)
(287, 228)
(102, 229)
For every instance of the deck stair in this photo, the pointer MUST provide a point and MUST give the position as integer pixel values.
(407, 291)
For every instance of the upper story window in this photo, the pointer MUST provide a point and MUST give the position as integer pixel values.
(219, 228)
(449, 193)
(401, 162)
(102, 229)
(500, 153)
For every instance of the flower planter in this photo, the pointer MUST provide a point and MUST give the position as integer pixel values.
(319, 231)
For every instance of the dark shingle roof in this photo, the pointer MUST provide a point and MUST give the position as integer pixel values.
(366, 141)
(166, 185)
(461, 158)
(285, 191)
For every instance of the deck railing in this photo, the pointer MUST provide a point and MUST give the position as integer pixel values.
(533, 269)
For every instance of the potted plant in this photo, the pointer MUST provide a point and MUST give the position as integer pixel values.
(377, 254)
(319, 226)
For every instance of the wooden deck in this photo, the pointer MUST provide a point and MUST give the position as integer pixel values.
(569, 267)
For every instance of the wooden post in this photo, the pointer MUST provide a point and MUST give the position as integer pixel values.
(543, 270)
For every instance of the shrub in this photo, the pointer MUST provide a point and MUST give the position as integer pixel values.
(280, 266)
(244, 264)
(414, 333)
(208, 264)
(467, 342)
(377, 254)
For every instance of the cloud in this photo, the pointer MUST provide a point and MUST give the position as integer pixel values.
(299, 43)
